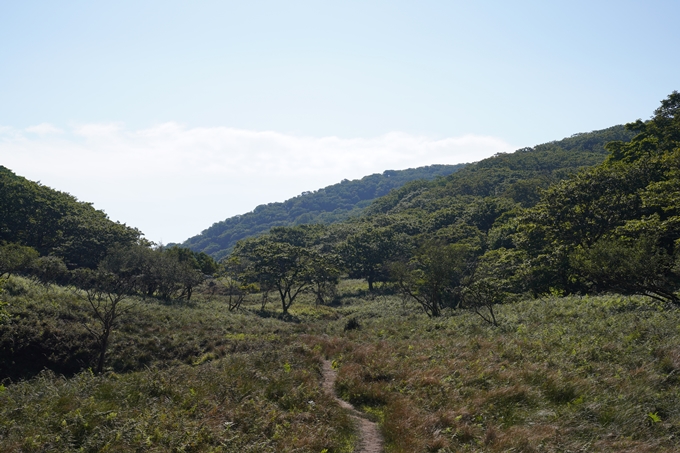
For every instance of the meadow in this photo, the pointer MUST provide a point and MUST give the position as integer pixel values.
(557, 374)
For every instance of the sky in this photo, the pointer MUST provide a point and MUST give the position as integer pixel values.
(172, 115)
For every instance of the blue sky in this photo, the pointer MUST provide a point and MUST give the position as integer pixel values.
(173, 115)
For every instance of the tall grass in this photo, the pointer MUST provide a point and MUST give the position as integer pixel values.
(180, 378)
(264, 401)
(568, 374)
(558, 374)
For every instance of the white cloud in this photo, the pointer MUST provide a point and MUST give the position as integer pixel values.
(172, 181)
(44, 129)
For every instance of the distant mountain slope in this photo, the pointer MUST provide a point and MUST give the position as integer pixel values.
(328, 205)
(518, 176)
(56, 223)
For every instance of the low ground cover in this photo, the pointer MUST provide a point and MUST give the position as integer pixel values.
(558, 374)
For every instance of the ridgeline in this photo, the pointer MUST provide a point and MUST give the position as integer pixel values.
(331, 204)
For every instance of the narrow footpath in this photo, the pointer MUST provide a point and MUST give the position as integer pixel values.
(370, 440)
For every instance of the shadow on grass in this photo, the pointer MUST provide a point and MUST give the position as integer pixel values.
(362, 293)
(285, 317)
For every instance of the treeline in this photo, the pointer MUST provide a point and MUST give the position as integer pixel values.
(168, 274)
(54, 238)
(539, 221)
(331, 204)
(165, 273)
(57, 224)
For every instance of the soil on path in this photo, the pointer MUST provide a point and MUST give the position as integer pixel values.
(370, 440)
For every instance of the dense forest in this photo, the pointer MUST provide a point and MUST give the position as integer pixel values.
(527, 302)
(454, 220)
(328, 205)
(56, 223)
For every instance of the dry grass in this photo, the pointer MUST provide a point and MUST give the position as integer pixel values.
(591, 374)
(569, 374)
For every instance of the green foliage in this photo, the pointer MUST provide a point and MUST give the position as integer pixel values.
(658, 136)
(483, 207)
(244, 403)
(200, 376)
(630, 267)
(553, 373)
(16, 258)
(4, 315)
(105, 293)
(369, 252)
(590, 369)
(584, 208)
(518, 176)
(42, 329)
(50, 269)
(331, 204)
(325, 271)
(276, 265)
(169, 274)
(433, 277)
(615, 226)
(230, 284)
(55, 223)
(497, 277)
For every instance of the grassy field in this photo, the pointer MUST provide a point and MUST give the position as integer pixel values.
(559, 374)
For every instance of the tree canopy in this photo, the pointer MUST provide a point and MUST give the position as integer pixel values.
(56, 223)
(331, 204)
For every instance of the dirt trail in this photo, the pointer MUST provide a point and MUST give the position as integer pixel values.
(370, 440)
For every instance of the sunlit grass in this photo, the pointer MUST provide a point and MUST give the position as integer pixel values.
(558, 374)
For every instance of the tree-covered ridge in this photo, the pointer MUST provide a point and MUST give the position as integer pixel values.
(616, 226)
(454, 242)
(542, 221)
(56, 223)
(518, 176)
(236, 367)
(328, 205)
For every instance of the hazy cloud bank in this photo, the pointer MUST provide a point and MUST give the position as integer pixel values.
(172, 181)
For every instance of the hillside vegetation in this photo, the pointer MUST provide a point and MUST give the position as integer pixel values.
(519, 176)
(56, 223)
(328, 205)
(557, 374)
(529, 302)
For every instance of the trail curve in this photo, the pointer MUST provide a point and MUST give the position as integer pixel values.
(370, 440)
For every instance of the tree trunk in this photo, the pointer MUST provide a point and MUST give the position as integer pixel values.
(102, 352)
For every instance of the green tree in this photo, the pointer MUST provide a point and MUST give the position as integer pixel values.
(16, 258)
(277, 265)
(324, 276)
(368, 253)
(233, 287)
(56, 223)
(626, 207)
(630, 266)
(105, 293)
(495, 277)
(165, 273)
(659, 135)
(50, 269)
(434, 275)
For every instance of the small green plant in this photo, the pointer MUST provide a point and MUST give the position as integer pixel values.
(653, 417)
(4, 315)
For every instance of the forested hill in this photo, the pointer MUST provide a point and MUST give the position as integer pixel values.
(519, 176)
(56, 223)
(328, 205)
